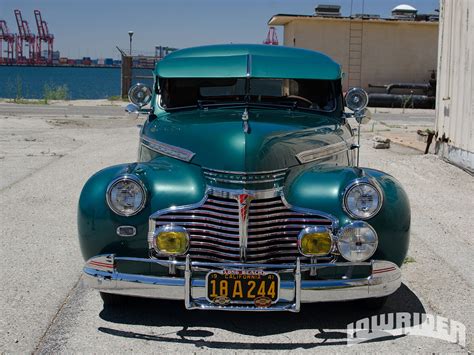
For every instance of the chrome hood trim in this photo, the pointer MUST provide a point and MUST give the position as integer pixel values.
(244, 178)
(167, 149)
(322, 152)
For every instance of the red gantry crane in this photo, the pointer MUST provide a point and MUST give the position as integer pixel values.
(43, 36)
(272, 38)
(9, 39)
(24, 37)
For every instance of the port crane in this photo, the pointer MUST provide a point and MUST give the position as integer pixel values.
(9, 39)
(24, 37)
(272, 37)
(43, 36)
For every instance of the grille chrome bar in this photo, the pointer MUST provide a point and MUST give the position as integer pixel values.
(289, 220)
(216, 234)
(211, 232)
(197, 217)
(208, 225)
(206, 238)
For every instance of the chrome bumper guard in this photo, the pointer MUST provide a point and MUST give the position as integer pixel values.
(101, 273)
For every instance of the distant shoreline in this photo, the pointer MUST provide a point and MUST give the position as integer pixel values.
(62, 66)
(78, 102)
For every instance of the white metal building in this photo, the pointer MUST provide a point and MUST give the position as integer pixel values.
(455, 89)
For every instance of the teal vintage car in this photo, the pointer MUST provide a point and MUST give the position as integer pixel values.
(246, 194)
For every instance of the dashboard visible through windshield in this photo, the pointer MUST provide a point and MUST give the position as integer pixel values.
(321, 95)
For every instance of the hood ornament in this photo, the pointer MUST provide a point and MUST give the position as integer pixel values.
(243, 201)
(245, 121)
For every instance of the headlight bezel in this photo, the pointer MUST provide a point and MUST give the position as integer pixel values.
(353, 225)
(126, 178)
(357, 183)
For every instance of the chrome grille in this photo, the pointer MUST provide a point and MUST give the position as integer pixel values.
(214, 229)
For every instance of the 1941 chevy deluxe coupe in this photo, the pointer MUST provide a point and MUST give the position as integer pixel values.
(247, 194)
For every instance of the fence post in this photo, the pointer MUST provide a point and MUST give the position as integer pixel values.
(126, 72)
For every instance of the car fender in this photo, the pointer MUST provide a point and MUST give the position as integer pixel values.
(322, 188)
(167, 182)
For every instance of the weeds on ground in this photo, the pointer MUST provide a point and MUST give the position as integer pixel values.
(26, 101)
(115, 98)
(50, 92)
(17, 88)
(409, 259)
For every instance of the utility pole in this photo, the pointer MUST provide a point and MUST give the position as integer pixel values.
(130, 33)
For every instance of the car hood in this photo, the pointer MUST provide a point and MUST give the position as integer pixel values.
(216, 138)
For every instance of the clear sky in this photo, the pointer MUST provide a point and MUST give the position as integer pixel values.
(94, 27)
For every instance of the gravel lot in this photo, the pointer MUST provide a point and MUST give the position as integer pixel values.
(48, 152)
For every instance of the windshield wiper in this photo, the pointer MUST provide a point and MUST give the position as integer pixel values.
(202, 103)
(216, 103)
(280, 104)
(207, 103)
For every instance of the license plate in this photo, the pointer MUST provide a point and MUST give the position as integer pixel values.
(242, 286)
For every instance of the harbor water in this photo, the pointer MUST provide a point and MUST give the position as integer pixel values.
(29, 82)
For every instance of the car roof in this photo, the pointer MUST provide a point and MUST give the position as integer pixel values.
(248, 60)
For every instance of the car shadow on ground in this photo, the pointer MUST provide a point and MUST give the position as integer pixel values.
(328, 320)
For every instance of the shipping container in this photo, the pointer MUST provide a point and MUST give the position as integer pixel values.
(86, 61)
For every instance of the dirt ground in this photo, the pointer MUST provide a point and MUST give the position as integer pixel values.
(47, 152)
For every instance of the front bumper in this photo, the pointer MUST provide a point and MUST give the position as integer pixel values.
(101, 273)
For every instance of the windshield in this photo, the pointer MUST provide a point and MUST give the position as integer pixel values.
(321, 95)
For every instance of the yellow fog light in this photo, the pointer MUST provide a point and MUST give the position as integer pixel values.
(315, 241)
(171, 240)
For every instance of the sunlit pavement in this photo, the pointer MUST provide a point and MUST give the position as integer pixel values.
(45, 158)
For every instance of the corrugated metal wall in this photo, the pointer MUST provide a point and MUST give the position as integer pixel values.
(455, 89)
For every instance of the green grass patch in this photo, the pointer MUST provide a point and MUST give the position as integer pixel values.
(409, 259)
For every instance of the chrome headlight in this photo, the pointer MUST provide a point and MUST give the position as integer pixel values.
(356, 99)
(140, 94)
(357, 241)
(126, 195)
(362, 200)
